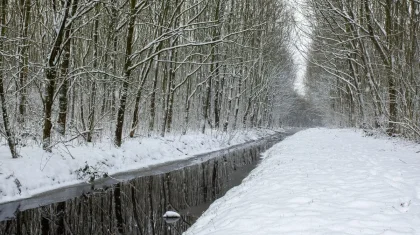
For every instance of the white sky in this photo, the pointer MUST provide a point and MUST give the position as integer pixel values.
(300, 42)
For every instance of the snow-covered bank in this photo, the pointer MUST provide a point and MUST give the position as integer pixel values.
(323, 181)
(37, 171)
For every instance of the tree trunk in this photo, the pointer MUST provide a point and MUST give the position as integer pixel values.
(169, 90)
(92, 98)
(171, 93)
(153, 97)
(127, 74)
(165, 98)
(187, 107)
(215, 67)
(143, 76)
(23, 73)
(237, 102)
(245, 118)
(226, 124)
(62, 98)
(7, 128)
(392, 91)
(206, 105)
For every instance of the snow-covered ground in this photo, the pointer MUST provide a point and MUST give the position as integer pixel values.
(37, 171)
(324, 181)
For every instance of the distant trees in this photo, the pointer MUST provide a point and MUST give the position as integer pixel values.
(79, 69)
(366, 54)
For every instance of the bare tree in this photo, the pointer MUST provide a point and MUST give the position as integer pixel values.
(6, 123)
(373, 46)
(80, 70)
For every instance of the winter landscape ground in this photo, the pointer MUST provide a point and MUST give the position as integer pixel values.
(38, 171)
(324, 181)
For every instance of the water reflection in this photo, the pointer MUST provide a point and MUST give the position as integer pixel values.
(171, 220)
(137, 206)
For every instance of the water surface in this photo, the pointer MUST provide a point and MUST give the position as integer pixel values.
(134, 202)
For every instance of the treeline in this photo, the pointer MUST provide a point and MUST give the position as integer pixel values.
(79, 68)
(365, 57)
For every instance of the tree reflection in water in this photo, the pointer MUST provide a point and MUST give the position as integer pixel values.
(137, 206)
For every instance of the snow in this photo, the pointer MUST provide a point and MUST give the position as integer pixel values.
(38, 171)
(171, 214)
(324, 181)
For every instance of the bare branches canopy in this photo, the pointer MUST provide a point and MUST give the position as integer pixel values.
(90, 70)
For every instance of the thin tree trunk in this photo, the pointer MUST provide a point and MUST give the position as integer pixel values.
(92, 98)
(62, 98)
(237, 102)
(169, 91)
(392, 91)
(82, 110)
(206, 105)
(23, 73)
(153, 96)
(226, 124)
(187, 107)
(144, 73)
(165, 97)
(245, 118)
(215, 67)
(113, 99)
(127, 74)
(170, 102)
(152, 107)
(6, 123)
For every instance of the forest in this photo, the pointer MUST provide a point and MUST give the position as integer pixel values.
(365, 53)
(92, 70)
(88, 70)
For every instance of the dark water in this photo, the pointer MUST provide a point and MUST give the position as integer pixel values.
(136, 205)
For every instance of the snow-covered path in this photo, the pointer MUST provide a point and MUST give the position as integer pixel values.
(323, 181)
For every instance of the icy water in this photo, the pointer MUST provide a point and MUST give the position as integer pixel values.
(134, 202)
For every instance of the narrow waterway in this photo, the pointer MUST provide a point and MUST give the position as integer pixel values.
(136, 203)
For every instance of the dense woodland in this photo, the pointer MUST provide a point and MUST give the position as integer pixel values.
(93, 70)
(88, 70)
(365, 63)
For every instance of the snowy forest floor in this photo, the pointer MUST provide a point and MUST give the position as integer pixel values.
(37, 171)
(324, 181)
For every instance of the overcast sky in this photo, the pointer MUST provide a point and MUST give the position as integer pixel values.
(300, 42)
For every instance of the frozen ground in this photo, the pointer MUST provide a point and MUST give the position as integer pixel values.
(37, 171)
(323, 181)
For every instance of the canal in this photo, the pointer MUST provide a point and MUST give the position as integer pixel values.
(134, 202)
